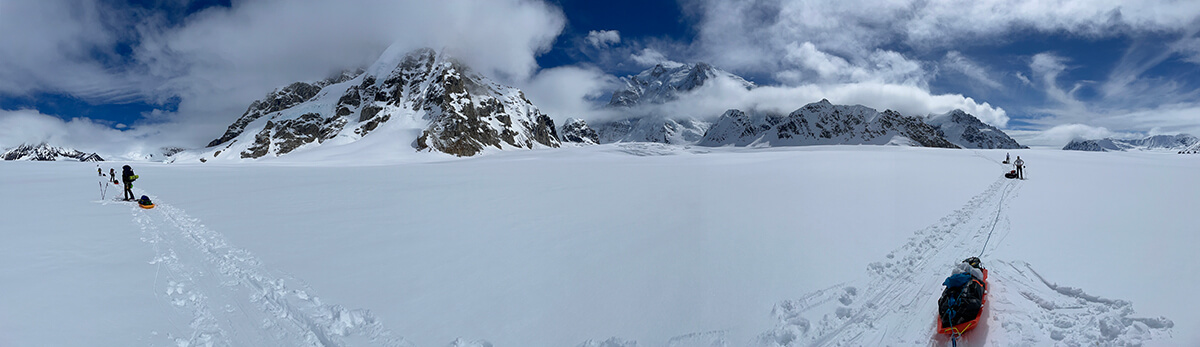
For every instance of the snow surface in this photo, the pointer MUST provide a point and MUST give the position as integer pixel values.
(611, 245)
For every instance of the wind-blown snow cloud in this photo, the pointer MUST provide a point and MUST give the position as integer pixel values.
(651, 57)
(955, 61)
(603, 38)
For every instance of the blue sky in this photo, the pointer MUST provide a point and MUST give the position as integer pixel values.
(176, 72)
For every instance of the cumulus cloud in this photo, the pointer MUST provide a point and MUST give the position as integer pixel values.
(603, 38)
(754, 35)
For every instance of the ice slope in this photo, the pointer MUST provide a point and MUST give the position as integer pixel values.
(610, 245)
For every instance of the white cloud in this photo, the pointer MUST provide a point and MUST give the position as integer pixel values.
(955, 61)
(1025, 80)
(721, 94)
(756, 35)
(883, 66)
(1061, 135)
(603, 38)
(32, 127)
(651, 57)
(569, 91)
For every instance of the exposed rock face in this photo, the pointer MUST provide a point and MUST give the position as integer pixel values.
(822, 123)
(44, 152)
(459, 112)
(279, 100)
(1180, 143)
(577, 130)
(967, 131)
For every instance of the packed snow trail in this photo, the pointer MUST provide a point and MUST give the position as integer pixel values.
(229, 298)
(897, 304)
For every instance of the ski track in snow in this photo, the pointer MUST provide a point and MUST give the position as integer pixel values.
(897, 304)
(234, 300)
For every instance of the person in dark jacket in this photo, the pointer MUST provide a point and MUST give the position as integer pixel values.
(128, 177)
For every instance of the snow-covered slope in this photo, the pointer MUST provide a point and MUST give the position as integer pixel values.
(966, 131)
(627, 244)
(1158, 142)
(45, 152)
(822, 123)
(661, 84)
(426, 99)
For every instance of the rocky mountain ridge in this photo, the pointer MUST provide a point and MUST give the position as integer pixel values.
(822, 123)
(1181, 142)
(45, 152)
(967, 131)
(450, 109)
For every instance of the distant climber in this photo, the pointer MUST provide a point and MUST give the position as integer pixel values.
(100, 171)
(128, 177)
(1020, 166)
(112, 174)
(1005, 158)
(963, 299)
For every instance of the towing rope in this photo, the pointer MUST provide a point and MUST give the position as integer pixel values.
(999, 207)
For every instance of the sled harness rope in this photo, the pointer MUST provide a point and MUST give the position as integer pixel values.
(999, 207)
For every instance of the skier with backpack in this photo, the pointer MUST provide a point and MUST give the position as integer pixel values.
(128, 177)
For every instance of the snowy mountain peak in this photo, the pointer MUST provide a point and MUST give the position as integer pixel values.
(45, 152)
(822, 123)
(1181, 142)
(427, 99)
(661, 84)
(578, 131)
(967, 131)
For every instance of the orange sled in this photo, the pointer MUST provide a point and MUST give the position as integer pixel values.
(150, 206)
(964, 327)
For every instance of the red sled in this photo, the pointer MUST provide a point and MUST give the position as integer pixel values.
(961, 328)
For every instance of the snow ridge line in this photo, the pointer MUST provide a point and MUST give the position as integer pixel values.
(234, 300)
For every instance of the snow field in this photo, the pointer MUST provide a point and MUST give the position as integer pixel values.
(601, 246)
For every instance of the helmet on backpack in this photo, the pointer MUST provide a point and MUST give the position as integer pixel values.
(974, 262)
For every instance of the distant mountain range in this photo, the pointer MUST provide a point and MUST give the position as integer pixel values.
(1179, 143)
(428, 101)
(45, 152)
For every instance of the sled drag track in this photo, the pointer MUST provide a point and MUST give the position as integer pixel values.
(896, 303)
(224, 296)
